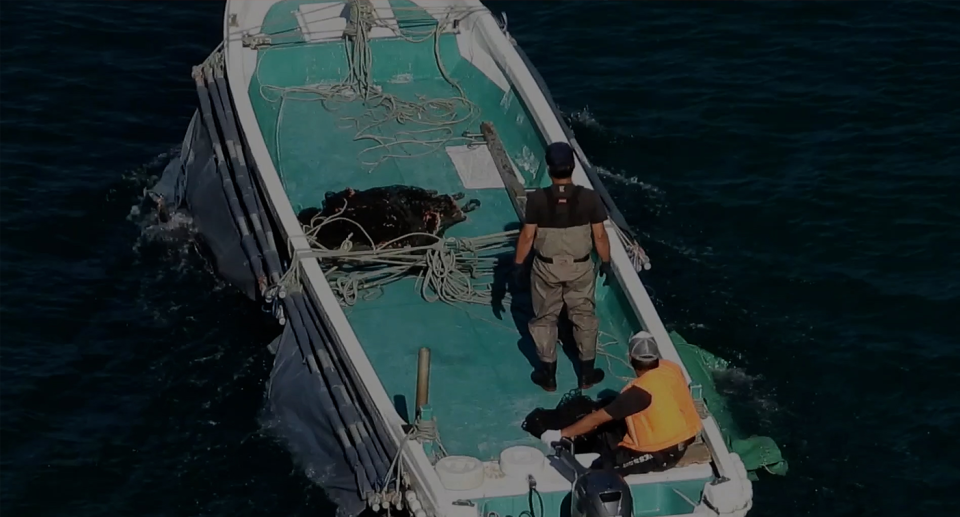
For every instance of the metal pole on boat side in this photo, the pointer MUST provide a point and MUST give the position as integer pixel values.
(326, 400)
(247, 241)
(234, 161)
(423, 378)
(271, 252)
(217, 85)
(331, 380)
(372, 425)
(423, 410)
(274, 264)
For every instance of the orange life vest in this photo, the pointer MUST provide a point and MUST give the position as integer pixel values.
(671, 417)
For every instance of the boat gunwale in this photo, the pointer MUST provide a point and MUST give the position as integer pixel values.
(494, 41)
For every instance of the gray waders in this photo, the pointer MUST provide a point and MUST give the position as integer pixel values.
(563, 274)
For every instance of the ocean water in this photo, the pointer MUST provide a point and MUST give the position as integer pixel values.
(793, 168)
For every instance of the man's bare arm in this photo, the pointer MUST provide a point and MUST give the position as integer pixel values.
(525, 243)
(586, 424)
(601, 241)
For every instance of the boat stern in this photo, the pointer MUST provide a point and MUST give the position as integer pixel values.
(554, 489)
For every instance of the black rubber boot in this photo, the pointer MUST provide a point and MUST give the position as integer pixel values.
(545, 376)
(589, 376)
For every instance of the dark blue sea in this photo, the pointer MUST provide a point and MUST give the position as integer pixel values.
(792, 167)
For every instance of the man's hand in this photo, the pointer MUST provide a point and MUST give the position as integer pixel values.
(550, 436)
(606, 271)
(525, 242)
(517, 274)
(586, 424)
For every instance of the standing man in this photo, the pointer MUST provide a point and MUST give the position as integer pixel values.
(564, 223)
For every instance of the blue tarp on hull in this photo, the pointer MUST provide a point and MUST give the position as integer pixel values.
(294, 410)
(297, 417)
(191, 182)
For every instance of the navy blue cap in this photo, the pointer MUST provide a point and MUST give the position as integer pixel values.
(560, 155)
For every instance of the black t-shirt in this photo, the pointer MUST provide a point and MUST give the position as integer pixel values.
(629, 402)
(588, 207)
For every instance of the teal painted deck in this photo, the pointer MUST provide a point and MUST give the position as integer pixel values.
(648, 500)
(480, 386)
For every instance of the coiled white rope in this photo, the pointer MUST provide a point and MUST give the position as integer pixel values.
(452, 269)
(638, 257)
(423, 431)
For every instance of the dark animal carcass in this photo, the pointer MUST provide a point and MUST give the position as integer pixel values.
(386, 213)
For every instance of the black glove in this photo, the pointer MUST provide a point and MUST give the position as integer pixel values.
(605, 269)
(517, 274)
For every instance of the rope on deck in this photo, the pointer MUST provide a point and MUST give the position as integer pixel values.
(449, 269)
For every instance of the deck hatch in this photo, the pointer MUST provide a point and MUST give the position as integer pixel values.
(327, 21)
(476, 168)
(323, 21)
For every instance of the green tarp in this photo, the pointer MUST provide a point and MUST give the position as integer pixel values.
(757, 452)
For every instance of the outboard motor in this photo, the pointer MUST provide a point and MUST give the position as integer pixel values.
(596, 493)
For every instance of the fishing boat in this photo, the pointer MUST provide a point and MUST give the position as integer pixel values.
(360, 167)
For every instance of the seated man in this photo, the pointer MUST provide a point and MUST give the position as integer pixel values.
(658, 411)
